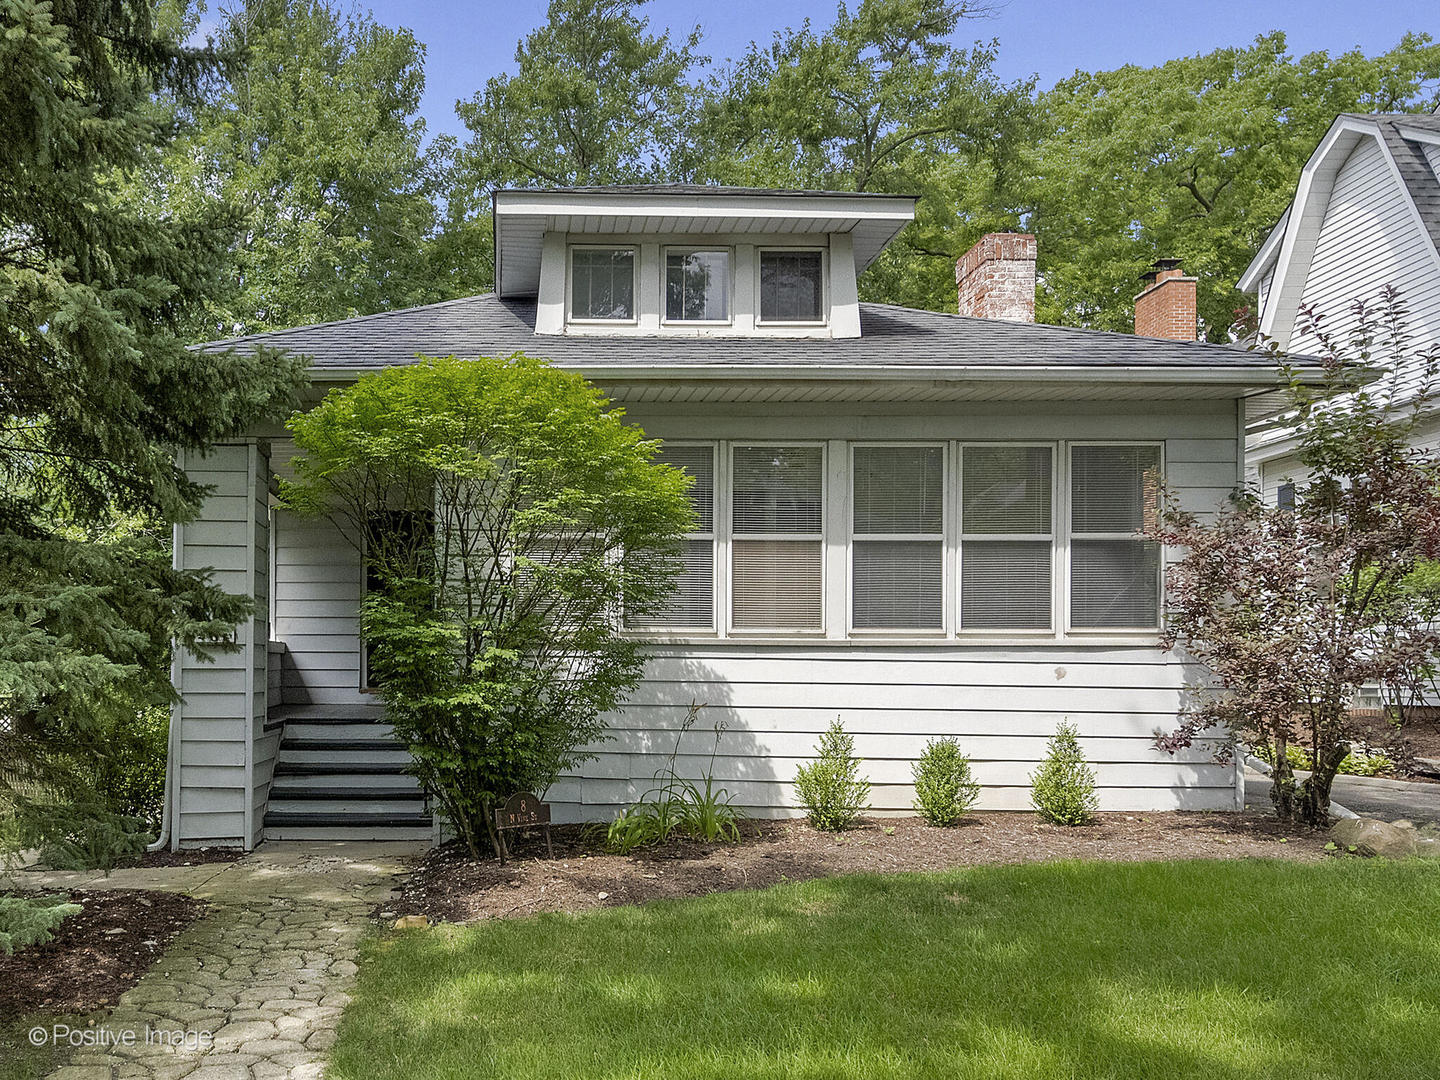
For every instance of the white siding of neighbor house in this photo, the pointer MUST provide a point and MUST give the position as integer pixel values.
(223, 757)
(1003, 699)
(1370, 238)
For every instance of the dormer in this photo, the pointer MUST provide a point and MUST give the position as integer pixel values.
(691, 261)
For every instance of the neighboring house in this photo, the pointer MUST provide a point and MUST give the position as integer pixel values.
(922, 523)
(1366, 215)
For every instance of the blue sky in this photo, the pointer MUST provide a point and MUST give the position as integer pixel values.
(469, 41)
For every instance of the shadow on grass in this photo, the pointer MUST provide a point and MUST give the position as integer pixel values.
(1194, 969)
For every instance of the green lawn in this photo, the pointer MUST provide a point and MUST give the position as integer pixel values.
(1155, 970)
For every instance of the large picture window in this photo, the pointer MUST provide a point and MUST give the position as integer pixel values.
(693, 606)
(602, 284)
(1006, 537)
(792, 287)
(777, 537)
(898, 544)
(1114, 575)
(697, 286)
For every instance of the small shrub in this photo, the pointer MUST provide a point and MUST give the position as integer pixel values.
(1063, 788)
(31, 920)
(830, 788)
(944, 788)
(84, 835)
(1358, 762)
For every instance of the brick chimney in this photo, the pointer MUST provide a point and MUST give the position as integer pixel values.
(995, 279)
(1166, 308)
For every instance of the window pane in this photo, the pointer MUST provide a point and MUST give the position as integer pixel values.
(1005, 584)
(790, 286)
(899, 489)
(898, 584)
(776, 584)
(602, 283)
(699, 462)
(1007, 489)
(1114, 583)
(693, 604)
(697, 286)
(777, 489)
(1113, 488)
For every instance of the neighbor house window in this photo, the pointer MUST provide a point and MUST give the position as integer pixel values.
(1285, 496)
(693, 605)
(1006, 537)
(602, 283)
(898, 524)
(776, 526)
(792, 286)
(1114, 574)
(697, 286)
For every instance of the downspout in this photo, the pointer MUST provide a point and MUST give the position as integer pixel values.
(174, 728)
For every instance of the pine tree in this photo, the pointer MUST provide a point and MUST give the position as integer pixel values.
(97, 390)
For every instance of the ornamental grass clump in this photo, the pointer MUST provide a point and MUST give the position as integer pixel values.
(944, 788)
(1063, 788)
(830, 788)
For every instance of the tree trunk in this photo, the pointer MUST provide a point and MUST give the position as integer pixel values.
(1315, 792)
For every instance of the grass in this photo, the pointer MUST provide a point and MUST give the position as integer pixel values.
(22, 1060)
(1185, 969)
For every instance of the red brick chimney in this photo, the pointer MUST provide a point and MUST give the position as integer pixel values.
(1166, 309)
(995, 279)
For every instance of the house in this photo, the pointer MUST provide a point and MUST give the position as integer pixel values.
(923, 523)
(1366, 215)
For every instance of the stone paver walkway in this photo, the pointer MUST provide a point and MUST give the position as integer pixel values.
(254, 990)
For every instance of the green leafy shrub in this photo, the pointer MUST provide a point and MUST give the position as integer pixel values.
(31, 920)
(830, 788)
(1356, 763)
(132, 772)
(944, 788)
(1063, 788)
(507, 516)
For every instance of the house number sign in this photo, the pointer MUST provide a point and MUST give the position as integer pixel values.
(523, 810)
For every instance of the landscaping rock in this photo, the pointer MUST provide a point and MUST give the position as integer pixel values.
(411, 922)
(1372, 837)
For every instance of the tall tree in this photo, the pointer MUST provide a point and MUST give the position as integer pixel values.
(597, 99)
(1194, 159)
(97, 389)
(316, 142)
(883, 100)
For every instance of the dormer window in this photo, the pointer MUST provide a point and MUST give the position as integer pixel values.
(697, 286)
(602, 284)
(792, 287)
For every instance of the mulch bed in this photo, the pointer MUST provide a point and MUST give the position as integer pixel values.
(189, 857)
(450, 886)
(95, 955)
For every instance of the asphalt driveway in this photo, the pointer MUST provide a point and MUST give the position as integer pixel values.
(1370, 796)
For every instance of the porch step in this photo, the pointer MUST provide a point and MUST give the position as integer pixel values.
(340, 775)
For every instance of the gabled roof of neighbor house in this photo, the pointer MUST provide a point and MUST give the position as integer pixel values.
(1404, 137)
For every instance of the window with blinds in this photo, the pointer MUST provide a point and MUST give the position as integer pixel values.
(1007, 537)
(1114, 574)
(792, 286)
(693, 605)
(898, 537)
(776, 537)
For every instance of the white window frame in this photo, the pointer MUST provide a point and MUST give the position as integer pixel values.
(713, 535)
(691, 249)
(824, 320)
(1070, 534)
(570, 316)
(730, 536)
(947, 583)
(961, 536)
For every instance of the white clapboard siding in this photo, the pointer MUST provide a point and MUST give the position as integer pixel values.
(774, 700)
(222, 764)
(1370, 238)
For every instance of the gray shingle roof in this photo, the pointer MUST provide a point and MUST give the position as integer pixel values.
(488, 326)
(1410, 159)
